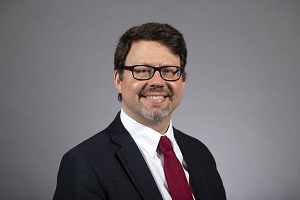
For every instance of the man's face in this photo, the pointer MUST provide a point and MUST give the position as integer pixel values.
(154, 99)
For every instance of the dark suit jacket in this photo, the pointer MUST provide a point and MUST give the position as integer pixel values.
(109, 165)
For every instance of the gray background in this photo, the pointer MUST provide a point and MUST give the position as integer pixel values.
(242, 95)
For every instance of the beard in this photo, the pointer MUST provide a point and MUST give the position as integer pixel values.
(154, 113)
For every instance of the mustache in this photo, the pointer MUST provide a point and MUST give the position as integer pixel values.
(153, 90)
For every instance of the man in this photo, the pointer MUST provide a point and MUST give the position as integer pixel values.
(140, 155)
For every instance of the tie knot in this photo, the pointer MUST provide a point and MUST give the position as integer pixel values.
(165, 144)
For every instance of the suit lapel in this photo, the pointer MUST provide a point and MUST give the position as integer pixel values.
(133, 162)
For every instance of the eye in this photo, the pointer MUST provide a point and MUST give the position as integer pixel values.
(142, 70)
(169, 70)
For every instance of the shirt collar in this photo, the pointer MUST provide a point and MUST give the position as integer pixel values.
(144, 136)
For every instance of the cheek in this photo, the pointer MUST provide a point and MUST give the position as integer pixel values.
(177, 89)
(131, 87)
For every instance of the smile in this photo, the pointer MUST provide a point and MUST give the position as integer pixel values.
(155, 94)
(155, 97)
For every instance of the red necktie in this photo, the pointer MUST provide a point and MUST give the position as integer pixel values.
(178, 185)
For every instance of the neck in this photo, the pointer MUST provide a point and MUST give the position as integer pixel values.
(159, 126)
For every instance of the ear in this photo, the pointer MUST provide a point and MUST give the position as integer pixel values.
(117, 81)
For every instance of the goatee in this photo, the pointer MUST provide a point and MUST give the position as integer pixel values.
(154, 115)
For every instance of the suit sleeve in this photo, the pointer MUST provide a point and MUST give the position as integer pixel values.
(77, 180)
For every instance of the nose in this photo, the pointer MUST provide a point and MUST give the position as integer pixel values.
(156, 80)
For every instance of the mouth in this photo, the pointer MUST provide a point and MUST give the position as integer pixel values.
(155, 93)
(154, 97)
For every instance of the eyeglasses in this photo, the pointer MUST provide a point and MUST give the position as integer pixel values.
(146, 72)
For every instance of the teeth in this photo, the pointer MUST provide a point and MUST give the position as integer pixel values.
(155, 97)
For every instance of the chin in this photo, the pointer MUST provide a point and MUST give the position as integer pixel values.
(158, 115)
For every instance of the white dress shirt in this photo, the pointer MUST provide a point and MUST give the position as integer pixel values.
(147, 140)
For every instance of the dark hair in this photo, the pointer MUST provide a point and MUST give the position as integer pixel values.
(163, 33)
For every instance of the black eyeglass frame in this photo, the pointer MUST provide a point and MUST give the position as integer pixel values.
(131, 68)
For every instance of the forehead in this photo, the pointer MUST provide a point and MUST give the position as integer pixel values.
(152, 53)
